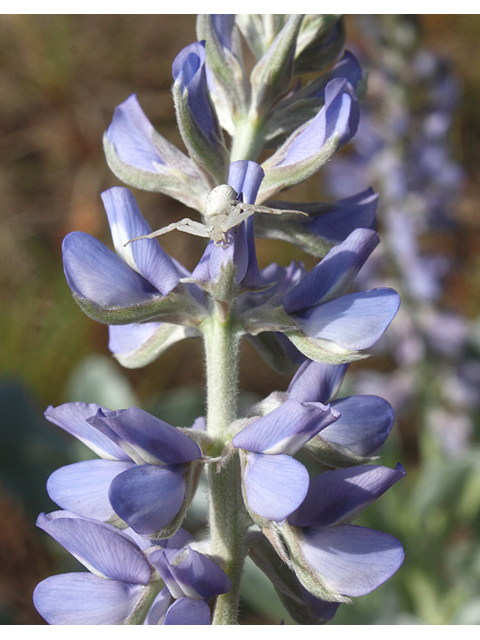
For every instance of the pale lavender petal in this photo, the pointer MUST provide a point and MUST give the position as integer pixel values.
(199, 423)
(82, 598)
(145, 256)
(275, 485)
(130, 132)
(317, 382)
(101, 548)
(354, 560)
(159, 607)
(347, 67)
(153, 436)
(245, 176)
(285, 429)
(126, 338)
(188, 611)
(283, 279)
(147, 498)
(331, 277)
(187, 572)
(188, 70)
(355, 321)
(219, 256)
(83, 487)
(338, 117)
(363, 426)
(336, 224)
(72, 417)
(337, 497)
(98, 275)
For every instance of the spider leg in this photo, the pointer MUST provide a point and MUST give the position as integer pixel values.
(277, 212)
(186, 225)
(238, 214)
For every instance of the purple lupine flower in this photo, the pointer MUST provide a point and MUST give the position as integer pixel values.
(364, 422)
(327, 224)
(144, 476)
(353, 560)
(196, 115)
(142, 158)
(188, 70)
(192, 579)
(188, 573)
(128, 286)
(129, 283)
(332, 275)
(117, 583)
(226, 77)
(275, 483)
(354, 321)
(339, 325)
(312, 144)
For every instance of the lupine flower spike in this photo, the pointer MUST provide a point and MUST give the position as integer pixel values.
(285, 477)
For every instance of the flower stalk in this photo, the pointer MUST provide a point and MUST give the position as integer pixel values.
(228, 519)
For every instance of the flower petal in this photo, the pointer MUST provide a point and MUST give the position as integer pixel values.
(187, 572)
(136, 345)
(316, 382)
(285, 429)
(152, 439)
(130, 132)
(339, 116)
(147, 498)
(355, 321)
(101, 548)
(339, 496)
(312, 144)
(72, 417)
(188, 611)
(354, 560)
(82, 598)
(332, 275)
(245, 176)
(363, 426)
(83, 487)
(274, 485)
(144, 256)
(157, 612)
(347, 67)
(142, 158)
(96, 274)
(336, 224)
(188, 70)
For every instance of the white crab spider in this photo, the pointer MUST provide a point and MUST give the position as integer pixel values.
(222, 212)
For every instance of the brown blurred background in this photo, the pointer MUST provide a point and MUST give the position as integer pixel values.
(60, 80)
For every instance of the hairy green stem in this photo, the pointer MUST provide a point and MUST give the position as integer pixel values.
(247, 140)
(221, 356)
(228, 520)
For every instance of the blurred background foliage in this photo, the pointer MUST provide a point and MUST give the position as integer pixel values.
(61, 77)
